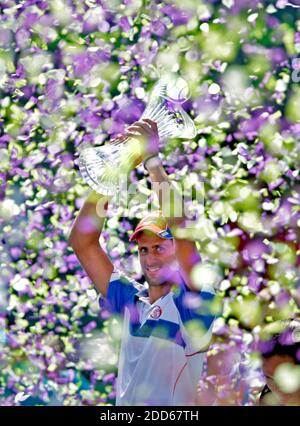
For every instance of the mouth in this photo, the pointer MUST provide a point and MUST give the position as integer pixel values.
(152, 269)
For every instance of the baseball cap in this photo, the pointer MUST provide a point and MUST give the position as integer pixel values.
(153, 222)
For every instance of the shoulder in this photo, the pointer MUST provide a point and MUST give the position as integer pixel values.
(119, 278)
(195, 307)
(121, 292)
(185, 298)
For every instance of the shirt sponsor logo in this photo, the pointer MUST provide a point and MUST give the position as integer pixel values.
(156, 312)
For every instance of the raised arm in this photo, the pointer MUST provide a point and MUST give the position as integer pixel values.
(84, 239)
(186, 250)
(170, 200)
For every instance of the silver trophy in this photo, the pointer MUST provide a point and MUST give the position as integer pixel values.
(102, 167)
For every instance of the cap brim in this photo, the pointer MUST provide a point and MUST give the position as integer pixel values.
(151, 228)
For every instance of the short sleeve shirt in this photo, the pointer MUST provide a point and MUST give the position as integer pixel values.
(163, 344)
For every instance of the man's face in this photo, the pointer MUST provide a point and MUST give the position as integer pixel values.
(157, 258)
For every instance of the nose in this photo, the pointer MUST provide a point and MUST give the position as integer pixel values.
(150, 260)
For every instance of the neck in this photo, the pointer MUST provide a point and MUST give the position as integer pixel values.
(155, 292)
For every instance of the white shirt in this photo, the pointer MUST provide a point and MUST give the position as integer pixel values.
(161, 357)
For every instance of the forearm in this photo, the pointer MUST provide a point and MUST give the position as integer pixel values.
(172, 207)
(170, 199)
(89, 222)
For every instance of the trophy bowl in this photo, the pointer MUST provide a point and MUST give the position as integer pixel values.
(103, 167)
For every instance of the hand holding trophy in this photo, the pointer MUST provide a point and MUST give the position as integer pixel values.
(147, 132)
(101, 167)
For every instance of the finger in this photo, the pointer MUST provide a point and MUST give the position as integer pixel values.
(151, 123)
(134, 134)
(140, 129)
(120, 138)
(140, 123)
(133, 129)
(147, 121)
(143, 126)
(135, 123)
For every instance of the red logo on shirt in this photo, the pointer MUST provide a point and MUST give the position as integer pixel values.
(156, 312)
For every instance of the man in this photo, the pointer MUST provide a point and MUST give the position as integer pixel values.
(167, 324)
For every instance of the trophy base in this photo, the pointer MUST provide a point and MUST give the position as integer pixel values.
(106, 168)
(98, 171)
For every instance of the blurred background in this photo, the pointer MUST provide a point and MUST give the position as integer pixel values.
(76, 73)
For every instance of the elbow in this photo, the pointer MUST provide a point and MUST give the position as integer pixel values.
(74, 240)
(71, 241)
(80, 242)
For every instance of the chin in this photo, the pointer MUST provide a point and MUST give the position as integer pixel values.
(155, 282)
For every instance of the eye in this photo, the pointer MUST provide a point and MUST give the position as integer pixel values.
(159, 249)
(143, 250)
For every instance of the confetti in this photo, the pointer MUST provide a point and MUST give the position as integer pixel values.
(76, 74)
